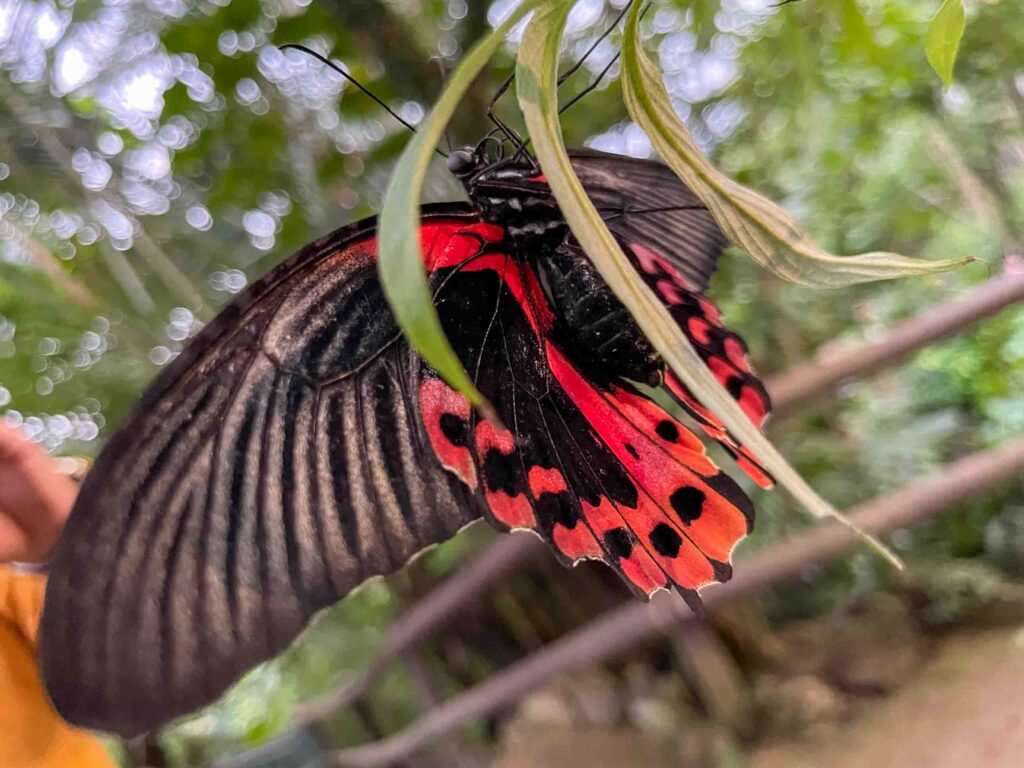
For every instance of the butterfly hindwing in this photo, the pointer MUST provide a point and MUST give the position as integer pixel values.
(675, 245)
(597, 469)
(644, 203)
(723, 351)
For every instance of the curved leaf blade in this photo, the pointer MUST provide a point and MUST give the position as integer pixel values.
(536, 76)
(751, 221)
(402, 273)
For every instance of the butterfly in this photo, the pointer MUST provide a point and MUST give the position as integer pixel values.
(299, 446)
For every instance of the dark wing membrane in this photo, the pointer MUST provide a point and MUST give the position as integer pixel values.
(645, 202)
(276, 464)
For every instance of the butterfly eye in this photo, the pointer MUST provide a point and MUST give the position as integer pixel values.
(462, 163)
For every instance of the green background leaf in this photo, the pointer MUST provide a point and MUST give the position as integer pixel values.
(944, 34)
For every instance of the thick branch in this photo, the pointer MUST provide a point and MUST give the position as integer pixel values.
(622, 629)
(820, 375)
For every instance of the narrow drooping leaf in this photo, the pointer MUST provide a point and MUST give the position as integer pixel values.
(944, 35)
(751, 221)
(536, 77)
(401, 267)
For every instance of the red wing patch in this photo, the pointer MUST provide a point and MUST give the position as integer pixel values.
(496, 454)
(445, 415)
(579, 542)
(600, 471)
(682, 506)
(722, 350)
(620, 544)
(716, 430)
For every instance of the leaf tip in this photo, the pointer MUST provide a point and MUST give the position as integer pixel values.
(485, 409)
(874, 543)
(943, 39)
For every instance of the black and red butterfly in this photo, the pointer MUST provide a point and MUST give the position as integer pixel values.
(299, 446)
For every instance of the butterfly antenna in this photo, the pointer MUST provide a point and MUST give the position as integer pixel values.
(324, 60)
(575, 67)
(604, 36)
(597, 81)
(592, 86)
(509, 132)
(604, 72)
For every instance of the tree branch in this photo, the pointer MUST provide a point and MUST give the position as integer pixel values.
(442, 605)
(812, 379)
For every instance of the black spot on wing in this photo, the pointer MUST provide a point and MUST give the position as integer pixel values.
(556, 508)
(454, 429)
(688, 502)
(503, 472)
(667, 430)
(618, 542)
(665, 540)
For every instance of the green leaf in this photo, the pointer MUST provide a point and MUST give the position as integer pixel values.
(536, 77)
(944, 35)
(402, 273)
(751, 221)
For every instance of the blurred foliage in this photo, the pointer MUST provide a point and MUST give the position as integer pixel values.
(154, 156)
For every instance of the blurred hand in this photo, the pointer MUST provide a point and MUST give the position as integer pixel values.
(35, 499)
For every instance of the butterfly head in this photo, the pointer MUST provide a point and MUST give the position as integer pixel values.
(466, 162)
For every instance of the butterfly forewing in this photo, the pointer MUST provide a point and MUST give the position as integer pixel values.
(277, 464)
(644, 203)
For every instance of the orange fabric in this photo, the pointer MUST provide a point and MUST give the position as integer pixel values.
(32, 734)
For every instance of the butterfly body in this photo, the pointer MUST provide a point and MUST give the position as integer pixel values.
(595, 327)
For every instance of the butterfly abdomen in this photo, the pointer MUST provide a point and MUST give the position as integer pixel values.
(595, 325)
